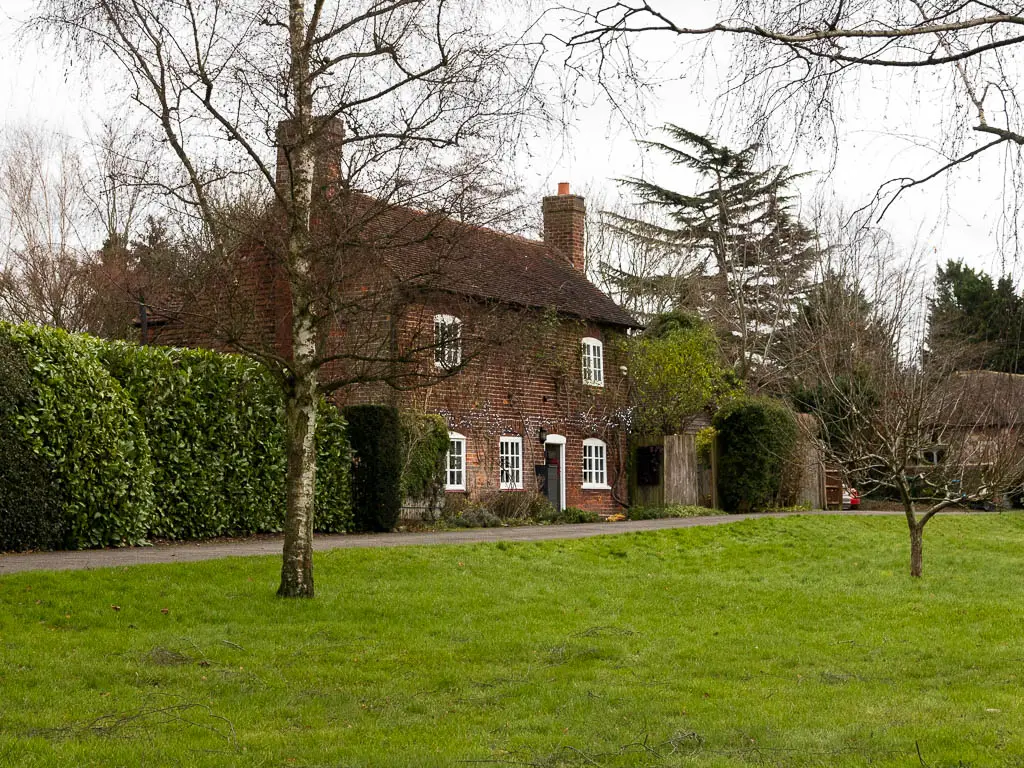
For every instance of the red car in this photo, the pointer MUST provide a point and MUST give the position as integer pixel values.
(851, 499)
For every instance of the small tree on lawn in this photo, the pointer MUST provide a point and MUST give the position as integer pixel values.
(913, 426)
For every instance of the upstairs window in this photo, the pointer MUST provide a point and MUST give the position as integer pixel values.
(447, 342)
(595, 464)
(510, 462)
(455, 473)
(593, 362)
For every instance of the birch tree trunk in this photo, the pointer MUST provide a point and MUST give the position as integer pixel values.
(300, 407)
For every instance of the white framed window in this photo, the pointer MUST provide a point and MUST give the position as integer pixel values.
(595, 464)
(447, 341)
(593, 362)
(455, 463)
(510, 462)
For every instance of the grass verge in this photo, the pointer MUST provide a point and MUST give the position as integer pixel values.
(784, 641)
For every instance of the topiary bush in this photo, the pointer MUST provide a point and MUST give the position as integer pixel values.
(756, 440)
(375, 435)
(81, 424)
(424, 447)
(30, 508)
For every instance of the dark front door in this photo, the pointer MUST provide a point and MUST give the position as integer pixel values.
(552, 461)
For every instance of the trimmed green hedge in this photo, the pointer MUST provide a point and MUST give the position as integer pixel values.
(375, 434)
(756, 439)
(30, 512)
(78, 420)
(208, 418)
(124, 442)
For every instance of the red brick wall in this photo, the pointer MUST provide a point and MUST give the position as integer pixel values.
(523, 373)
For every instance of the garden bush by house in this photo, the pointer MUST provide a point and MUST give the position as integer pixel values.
(141, 442)
(756, 440)
(424, 448)
(375, 434)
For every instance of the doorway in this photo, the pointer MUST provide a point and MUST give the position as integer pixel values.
(554, 465)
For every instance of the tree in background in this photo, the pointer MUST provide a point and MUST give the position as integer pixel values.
(676, 374)
(983, 322)
(748, 256)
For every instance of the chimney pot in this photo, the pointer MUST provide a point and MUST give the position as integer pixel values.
(563, 188)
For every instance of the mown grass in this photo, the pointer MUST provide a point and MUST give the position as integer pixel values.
(787, 641)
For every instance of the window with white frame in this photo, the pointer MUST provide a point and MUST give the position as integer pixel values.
(447, 341)
(510, 462)
(593, 362)
(595, 463)
(455, 474)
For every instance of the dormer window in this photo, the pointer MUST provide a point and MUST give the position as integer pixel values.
(593, 362)
(447, 342)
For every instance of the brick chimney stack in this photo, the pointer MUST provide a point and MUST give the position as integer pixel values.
(565, 218)
(328, 138)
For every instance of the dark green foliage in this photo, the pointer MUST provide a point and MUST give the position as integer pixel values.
(576, 515)
(733, 249)
(425, 446)
(214, 428)
(977, 323)
(671, 510)
(756, 438)
(333, 472)
(375, 434)
(29, 507)
(79, 421)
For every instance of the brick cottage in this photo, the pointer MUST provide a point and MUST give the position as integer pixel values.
(501, 335)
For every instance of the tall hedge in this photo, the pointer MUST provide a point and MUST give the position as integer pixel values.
(333, 512)
(77, 420)
(214, 427)
(110, 443)
(375, 435)
(756, 440)
(30, 511)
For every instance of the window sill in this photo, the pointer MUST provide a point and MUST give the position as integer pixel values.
(596, 487)
(510, 488)
(594, 384)
(454, 489)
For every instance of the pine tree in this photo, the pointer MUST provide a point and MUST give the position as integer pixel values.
(748, 255)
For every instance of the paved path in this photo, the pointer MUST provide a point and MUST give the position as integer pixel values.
(271, 545)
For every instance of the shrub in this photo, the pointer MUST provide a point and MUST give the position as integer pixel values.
(30, 509)
(376, 440)
(333, 472)
(518, 507)
(756, 438)
(424, 445)
(78, 421)
(577, 515)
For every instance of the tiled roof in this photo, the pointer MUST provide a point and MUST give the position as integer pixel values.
(487, 264)
(980, 398)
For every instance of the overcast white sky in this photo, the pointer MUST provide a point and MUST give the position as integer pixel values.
(952, 218)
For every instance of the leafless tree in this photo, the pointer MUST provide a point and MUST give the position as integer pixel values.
(934, 436)
(417, 86)
(792, 59)
(44, 217)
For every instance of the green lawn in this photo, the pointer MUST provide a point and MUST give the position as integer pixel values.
(790, 642)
